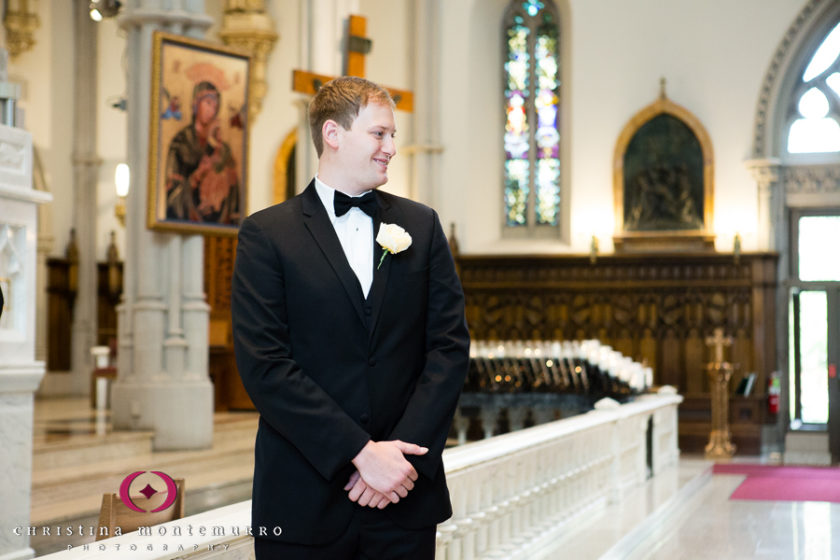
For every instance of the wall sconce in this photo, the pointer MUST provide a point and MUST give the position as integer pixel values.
(122, 181)
(101, 9)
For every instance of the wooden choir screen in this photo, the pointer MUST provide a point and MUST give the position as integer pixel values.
(656, 308)
(219, 258)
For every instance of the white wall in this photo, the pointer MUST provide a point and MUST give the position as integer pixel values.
(713, 54)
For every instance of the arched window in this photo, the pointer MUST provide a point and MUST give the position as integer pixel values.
(532, 110)
(815, 113)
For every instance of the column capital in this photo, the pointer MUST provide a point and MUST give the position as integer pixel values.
(765, 171)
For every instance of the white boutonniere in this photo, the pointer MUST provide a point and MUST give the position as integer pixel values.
(393, 239)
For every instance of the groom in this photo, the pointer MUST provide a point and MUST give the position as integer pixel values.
(354, 355)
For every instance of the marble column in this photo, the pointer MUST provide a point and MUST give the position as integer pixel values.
(20, 373)
(163, 383)
(426, 149)
(86, 165)
(323, 29)
(774, 235)
(770, 201)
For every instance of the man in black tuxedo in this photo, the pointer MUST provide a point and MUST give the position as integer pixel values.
(354, 355)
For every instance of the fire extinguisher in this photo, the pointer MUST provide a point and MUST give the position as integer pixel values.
(774, 391)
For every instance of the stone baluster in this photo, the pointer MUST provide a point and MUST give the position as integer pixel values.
(489, 414)
(480, 533)
(445, 536)
(466, 535)
(516, 417)
(462, 424)
(493, 538)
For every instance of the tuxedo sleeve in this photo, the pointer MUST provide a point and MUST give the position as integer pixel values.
(428, 416)
(286, 398)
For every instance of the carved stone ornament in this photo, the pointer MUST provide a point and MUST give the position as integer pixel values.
(813, 179)
(247, 26)
(663, 181)
(772, 77)
(20, 22)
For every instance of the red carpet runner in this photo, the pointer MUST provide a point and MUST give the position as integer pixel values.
(787, 484)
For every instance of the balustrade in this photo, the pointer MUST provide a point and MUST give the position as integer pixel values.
(512, 494)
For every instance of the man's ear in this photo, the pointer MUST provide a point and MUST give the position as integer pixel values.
(331, 133)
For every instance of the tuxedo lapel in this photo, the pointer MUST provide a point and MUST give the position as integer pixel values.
(317, 221)
(388, 214)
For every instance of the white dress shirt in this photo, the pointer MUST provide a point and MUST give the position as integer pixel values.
(355, 232)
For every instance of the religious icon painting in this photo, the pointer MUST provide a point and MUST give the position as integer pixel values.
(663, 181)
(198, 136)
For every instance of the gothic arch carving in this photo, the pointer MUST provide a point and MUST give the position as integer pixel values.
(809, 27)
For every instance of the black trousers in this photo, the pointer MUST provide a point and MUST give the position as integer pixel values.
(371, 535)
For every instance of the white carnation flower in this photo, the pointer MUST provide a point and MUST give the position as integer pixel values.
(393, 239)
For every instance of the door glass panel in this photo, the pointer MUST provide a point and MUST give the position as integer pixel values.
(792, 354)
(813, 347)
(818, 237)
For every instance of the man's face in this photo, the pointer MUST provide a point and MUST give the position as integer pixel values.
(365, 150)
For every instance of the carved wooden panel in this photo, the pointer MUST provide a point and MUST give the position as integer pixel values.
(109, 283)
(61, 295)
(219, 258)
(655, 308)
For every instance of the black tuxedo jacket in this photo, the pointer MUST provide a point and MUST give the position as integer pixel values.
(329, 370)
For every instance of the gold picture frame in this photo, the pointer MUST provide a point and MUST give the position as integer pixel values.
(663, 182)
(198, 136)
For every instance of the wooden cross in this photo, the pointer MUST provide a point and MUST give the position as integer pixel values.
(718, 341)
(357, 47)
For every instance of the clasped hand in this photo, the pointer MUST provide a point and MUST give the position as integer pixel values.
(383, 475)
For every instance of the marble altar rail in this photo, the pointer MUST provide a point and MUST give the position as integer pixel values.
(511, 494)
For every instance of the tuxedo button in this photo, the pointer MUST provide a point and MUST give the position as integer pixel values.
(364, 418)
(368, 311)
(371, 362)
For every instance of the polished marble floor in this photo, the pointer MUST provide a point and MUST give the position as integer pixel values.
(685, 513)
(713, 527)
(688, 515)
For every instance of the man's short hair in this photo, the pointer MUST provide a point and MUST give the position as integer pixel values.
(341, 100)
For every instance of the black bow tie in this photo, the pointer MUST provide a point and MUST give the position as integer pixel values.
(343, 203)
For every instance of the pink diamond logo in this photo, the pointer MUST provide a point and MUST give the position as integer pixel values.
(148, 491)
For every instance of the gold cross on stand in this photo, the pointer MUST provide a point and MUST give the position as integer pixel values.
(357, 47)
(718, 341)
(720, 445)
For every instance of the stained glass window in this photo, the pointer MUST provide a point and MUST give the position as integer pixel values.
(532, 103)
(815, 127)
